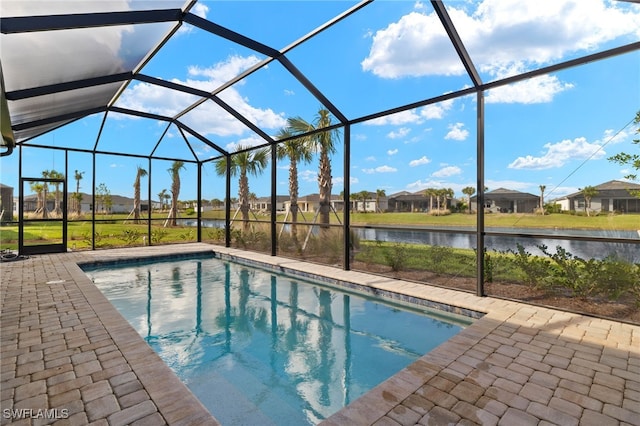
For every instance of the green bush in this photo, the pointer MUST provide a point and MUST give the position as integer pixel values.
(396, 256)
(130, 236)
(535, 269)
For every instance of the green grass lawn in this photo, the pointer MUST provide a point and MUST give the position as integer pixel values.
(506, 220)
(498, 220)
(119, 230)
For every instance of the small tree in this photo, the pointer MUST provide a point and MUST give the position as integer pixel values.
(297, 151)
(103, 196)
(542, 188)
(379, 194)
(431, 193)
(174, 170)
(468, 191)
(588, 193)
(136, 194)
(242, 163)
(364, 196)
(53, 174)
(161, 196)
(77, 197)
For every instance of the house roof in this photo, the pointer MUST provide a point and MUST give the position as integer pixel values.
(612, 188)
(507, 194)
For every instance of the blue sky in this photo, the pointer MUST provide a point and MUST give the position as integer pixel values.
(556, 130)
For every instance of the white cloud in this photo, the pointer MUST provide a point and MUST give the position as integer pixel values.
(380, 169)
(340, 180)
(308, 175)
(498, 35)
(408, 48)
(610, 136)
(558, 154)
(370, 158)
(456, 132)
(224, 71)
(245, 143)
(420, 185)
(199, 9)
(400, 133)
(509, 184)
(419, 161)
(208, 118)
(533, 91)
(403, 117)
(392, 151)
(447, 171)
(436, 111)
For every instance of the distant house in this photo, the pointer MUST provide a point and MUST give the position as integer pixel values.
(370, 204)
(504, 200)
(263, 204)
(119, 204)
(612, 196)
(311, 203)
(405, 201)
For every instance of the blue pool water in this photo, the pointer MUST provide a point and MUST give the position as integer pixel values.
(257, 347)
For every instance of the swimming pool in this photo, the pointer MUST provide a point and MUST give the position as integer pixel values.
(257, 347)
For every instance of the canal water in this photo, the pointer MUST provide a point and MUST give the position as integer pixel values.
(461, 238)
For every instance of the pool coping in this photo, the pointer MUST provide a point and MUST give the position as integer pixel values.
(493, 371)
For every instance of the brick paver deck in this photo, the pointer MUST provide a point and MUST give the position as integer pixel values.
(67, 353)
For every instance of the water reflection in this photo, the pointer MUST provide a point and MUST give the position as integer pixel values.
(259, 348)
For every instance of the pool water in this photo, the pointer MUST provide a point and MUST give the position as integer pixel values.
(257, 347)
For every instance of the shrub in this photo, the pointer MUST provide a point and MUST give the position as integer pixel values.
(396, 256)
(129, 236)
(158, 234)
(438, 256)
(535, 268)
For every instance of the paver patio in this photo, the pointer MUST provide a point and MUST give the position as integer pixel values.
(67, 353)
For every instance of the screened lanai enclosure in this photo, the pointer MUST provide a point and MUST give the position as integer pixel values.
(485, 146)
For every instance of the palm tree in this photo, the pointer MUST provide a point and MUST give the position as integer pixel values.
(45, 195)
(174, 171)
(53, 174)
(468, 191)
(588, 192)
(297, 151)
(379, 194)
(167, 197)
(38, 188)
(364, 196)
(438, 193)
(430, 192)
(77, 197)
(252, 162)
(447, 194)
(542, 188)
(161, 196)
(136, 194)
(324, 144)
